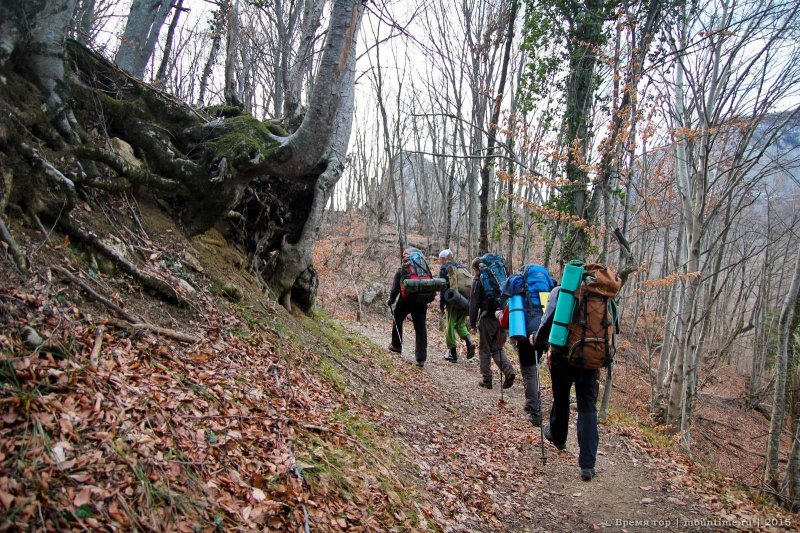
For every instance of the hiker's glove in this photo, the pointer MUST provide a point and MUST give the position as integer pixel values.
(541, 346)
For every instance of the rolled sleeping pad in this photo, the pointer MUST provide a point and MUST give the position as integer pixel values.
(565, 305)
(516, 317)
(456, 298)
(414, 286)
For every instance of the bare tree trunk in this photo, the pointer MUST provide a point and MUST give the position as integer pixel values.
(691, 229)
(487, 171)
(671, 326)
(510, 218)
(511, 170)
(231, 91)
(139, 39)
(305, 148)
(478, 113)
(162, 73)
(220, 17)
(448, 208)
(312, 14)
(293, 263)
(246, 88)
(83, 21)
(392, 157)
(682, 388)
(790, 491)
(280, 63)
(771, 473)
(760, 320)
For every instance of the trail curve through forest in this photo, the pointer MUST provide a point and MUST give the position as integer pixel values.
(480, 457)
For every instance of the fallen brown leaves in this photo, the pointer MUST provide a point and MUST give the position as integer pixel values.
(163, 436)
(722, 497)
(483, 475)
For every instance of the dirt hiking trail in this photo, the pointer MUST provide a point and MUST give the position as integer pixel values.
(476, 452)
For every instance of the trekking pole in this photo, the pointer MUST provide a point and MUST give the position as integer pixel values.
(502, 387)
(394, 322)
(539, 394)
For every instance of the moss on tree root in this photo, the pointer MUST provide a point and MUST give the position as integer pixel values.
(244, 140)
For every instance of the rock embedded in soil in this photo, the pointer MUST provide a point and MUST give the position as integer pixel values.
(232, 292)
(31, 338)
(371, 293)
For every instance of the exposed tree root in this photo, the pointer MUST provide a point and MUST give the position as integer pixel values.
(39, 162)
(94, 358)
(158, 285)
(133, 322)
(133, 174)
(13, 250)
(96, 296)
(164, 332)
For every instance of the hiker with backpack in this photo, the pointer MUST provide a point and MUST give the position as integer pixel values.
(489, 273)
(530, 286)
(578, 326)
(458, 278)
(413, 268)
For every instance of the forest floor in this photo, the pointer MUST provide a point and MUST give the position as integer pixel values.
(482, 460)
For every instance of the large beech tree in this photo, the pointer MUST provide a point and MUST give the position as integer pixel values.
(215, 165)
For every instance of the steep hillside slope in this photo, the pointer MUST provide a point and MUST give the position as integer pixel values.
(225, 412)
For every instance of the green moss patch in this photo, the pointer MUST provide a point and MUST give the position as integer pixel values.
(245, 137)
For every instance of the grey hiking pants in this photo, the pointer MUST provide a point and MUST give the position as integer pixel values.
(527, 367)
(492, 339)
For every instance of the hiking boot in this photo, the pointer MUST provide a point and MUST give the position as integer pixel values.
(470, 350)
(486, 384)
(587, 474)
(534, 418)
(549, 436)
(451, 357)
(395, 349)
(509, 380)
(420, 364)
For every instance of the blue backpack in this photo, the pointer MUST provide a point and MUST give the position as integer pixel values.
(532, 280)
(493, 277)
(537, 279)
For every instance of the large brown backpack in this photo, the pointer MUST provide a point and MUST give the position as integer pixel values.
(594, 323)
